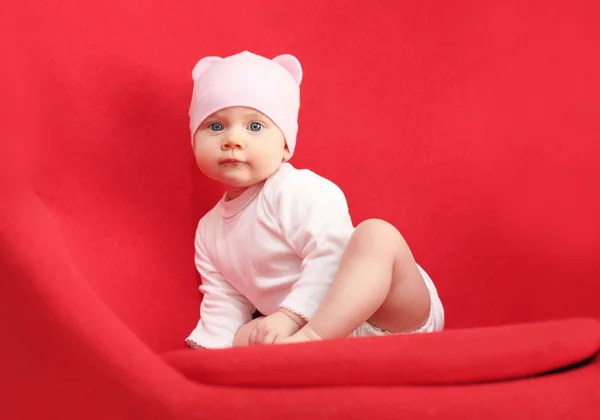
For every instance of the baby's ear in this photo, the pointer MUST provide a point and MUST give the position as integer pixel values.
(291, 64)
(202, 65)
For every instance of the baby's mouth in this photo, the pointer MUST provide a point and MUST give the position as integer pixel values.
(230, 161)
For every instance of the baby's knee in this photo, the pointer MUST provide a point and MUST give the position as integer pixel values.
(384, 232)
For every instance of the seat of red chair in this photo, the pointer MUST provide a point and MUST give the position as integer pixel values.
(451, 357)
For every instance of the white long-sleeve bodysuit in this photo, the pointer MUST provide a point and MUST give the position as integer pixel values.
(279, 244)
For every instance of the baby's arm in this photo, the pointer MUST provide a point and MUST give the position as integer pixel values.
(313, 214)
(223, 309)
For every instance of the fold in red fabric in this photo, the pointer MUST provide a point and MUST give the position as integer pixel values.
(451, 357)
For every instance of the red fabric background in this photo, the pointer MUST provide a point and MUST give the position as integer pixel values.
(472, 126)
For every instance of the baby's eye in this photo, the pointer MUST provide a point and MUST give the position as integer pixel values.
(216, 127)
(255, 126)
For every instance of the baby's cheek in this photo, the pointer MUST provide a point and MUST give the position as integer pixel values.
(203, 151)
(204, 159)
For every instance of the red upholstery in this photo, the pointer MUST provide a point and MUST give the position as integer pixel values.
(469, 356)
(472, 126)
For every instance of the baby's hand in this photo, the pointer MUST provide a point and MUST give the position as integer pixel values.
(276, 326)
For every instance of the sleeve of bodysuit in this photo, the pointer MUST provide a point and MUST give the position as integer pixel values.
(313, 214)
(223, 309)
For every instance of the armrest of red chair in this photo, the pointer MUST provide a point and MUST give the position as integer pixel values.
(450, 357)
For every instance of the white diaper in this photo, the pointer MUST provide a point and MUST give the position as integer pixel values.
(435, 321)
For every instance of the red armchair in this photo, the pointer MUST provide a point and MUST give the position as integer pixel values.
(472, 127)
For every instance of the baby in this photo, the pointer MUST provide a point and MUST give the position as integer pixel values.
(280, 243)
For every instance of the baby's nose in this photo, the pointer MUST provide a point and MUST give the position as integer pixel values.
(233, 142)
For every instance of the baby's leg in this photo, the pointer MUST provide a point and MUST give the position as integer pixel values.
(378, 280)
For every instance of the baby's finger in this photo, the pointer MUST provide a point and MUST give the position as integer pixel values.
(252, 337)
(261, 333)
(269, 338)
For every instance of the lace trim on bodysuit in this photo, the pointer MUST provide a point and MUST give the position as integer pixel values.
(193, 344)
(294, 311)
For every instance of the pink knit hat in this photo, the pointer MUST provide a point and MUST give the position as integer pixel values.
(245, 79)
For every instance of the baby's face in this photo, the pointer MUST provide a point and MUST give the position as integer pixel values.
(239, 147)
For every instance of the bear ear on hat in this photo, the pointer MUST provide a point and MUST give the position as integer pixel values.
(291, 64)
(203, 65)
